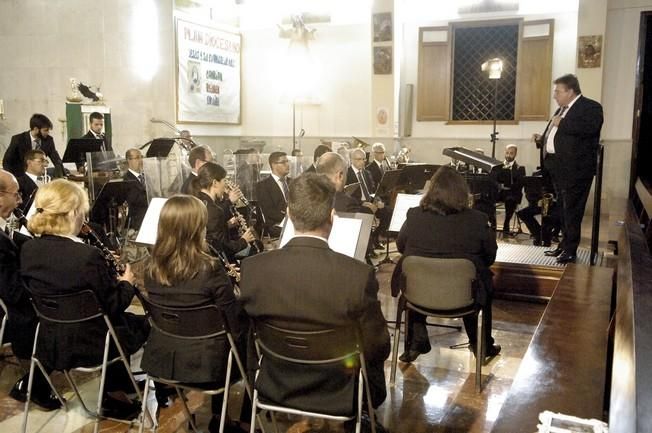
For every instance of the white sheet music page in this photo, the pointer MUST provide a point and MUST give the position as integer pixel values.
(343, 238)
(403, 203)
(149, 229)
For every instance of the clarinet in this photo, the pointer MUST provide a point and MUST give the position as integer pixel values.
(243, 226)
(228, 267)
(116, 267)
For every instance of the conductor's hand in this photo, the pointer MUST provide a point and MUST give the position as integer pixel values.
(128, 276)
(248, 236)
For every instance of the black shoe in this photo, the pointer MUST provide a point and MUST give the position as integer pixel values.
(46, 400)
(546, 243)
(537, 242)
(553, 253)
(120, 409)
(411, 354)
(489, 352)
(566, 258)
(349, 426)
(163, 393)
(379, 246)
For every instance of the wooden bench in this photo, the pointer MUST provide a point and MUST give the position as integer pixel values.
(565, 366)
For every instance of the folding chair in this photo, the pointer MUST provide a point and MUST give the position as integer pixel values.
(439, 288)
(196, 323)
(69, 309)
(3, 324)
(311, 348)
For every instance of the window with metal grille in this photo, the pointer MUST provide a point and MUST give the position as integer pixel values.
(473, 91)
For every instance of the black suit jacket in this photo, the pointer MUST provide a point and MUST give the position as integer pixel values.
(194, 360)
(307, 286)
(27, 191)
(346, 203)
(217, 229)
(576, 143)
(461, 235)
(185, 188)
(14, 158)
(136, 199)
(375, 172)
(352, 178)
(271, 201)
(512, 181)
(107, 140)
(55, 265)
(22, 319)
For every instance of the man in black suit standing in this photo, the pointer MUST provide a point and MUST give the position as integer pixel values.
(379, 165)
(197, 157)
(272, 193)
(307, 286)
(510, 177)
(95, 131)
(35, 176)
(570, 143)
(136, 195)
(38, 137)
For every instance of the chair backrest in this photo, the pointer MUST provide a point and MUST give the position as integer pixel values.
(437, 283)
(307, 347)
(192, 323)
(74, 307)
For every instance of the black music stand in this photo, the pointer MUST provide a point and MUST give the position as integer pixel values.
(160, 147)
(414, 176)
(532, 185)
(388, 182)
(77, 148)
(112, 195)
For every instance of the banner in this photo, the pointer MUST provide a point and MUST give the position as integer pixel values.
(208, 74)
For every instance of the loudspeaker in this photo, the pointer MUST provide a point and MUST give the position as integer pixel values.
(405, 111)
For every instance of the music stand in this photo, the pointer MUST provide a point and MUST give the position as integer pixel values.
(149, 228)
(388, 182)
(414, 176)
(160, 147)
(532, 185)
(77, 148)
(112, 195)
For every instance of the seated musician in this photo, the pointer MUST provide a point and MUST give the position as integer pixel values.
(319, 151)
(136, 195)
(444, 226)
(210, 185)
(95, 130)
(272, 193)
(510, 177)
(57, 262)
(307, 286)
(541, 201)
(197, 157)
(35, 176)
(379, 165)
(181, 273)
(334, 167)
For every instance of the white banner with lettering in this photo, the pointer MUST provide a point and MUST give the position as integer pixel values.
(208, 74)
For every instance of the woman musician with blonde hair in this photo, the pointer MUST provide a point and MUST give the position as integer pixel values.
(181, 273)
(58, 262)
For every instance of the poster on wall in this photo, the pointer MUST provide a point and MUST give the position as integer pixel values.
(589, 51)
(208, 74)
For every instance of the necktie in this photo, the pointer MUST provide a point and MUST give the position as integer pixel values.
(363, 186)
(40, 180)
(141, 178)
(284, 187)
(37, 144)
(549, 129)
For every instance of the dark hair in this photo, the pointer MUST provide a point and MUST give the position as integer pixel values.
(311, 201)
(247, 151)
(205, 177)
(570, 81)
(197, 153)
(275, 156)
(39, 121)
(448, 192)
(31, 154)
(319, 151)
(95, 115)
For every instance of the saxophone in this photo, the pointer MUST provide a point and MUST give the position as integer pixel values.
(545, 204)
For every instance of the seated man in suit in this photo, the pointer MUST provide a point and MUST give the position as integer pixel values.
(379, 165)
(95, 130)
(35, 176)
(307, 286)
(333, 166)
(38, 137)
(510, 177)
(197, 157)
(272, 193)
(319, 151)
(137, 195)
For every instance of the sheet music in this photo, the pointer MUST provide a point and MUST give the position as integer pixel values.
(343, 238)
(403, 203)
(149, 229)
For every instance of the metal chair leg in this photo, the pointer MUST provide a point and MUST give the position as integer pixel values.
(186, 411)
(479, 356)
(141, 428)
(397, 336)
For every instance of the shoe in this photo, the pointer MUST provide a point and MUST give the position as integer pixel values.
(546, 243)
(537, 242)
(349, 426)
(47, 401)
(489, 352)
(379, 246)
(566, 257)
(553, 253)
(120, 409)
(163, 394)
(411, 354)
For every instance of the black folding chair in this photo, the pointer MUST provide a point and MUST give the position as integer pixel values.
(3, 324)
(69, 309)
(196, 323)
(311, 348)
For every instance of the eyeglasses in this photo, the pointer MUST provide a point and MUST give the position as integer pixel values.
(136, 157)
(15, 194)
(41, 160)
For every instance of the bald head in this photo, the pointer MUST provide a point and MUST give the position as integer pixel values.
(333, 166)
(9, 197)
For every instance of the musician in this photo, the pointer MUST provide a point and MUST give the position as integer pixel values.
(58, 262)
(96, 129)
(444, 226)
(272, 193)
(34, 176)
(38, 137)
(272, 289)
(333, 166)
(319, 151)
(181, 273)
(137, 194)
(210, 185)
(197, 157)
(379, 165)
(570, 143)
(543, 233)
(510, 177)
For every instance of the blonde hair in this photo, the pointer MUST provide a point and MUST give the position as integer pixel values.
(181, 251)
(57, 203)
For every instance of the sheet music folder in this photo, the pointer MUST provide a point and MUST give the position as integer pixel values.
(160, 147)
(404, 202)
(113, 193)
(77, 148)
(414, 176)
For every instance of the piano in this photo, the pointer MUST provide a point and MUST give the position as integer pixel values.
(478, 160)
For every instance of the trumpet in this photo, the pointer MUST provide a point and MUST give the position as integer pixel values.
(116, 267)
(545, 204)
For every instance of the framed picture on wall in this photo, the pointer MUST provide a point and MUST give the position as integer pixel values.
(382, 27)
(207, 74)
(382, 60)
(589, 51)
